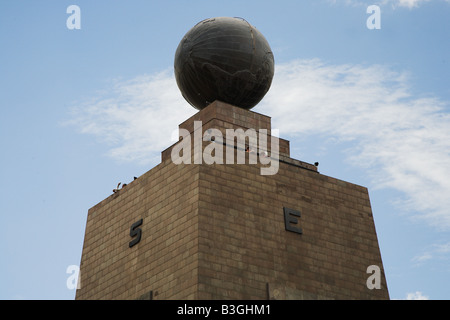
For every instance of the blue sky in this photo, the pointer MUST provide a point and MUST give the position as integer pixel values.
(82, 110)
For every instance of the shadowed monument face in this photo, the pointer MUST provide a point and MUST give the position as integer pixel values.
(224, 59)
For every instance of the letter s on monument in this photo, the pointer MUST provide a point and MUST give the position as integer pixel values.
(136, 233)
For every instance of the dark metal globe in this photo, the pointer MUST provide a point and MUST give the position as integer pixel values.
(224, 59)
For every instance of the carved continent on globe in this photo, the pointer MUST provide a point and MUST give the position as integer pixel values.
(224, 59)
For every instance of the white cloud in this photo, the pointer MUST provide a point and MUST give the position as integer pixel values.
(410, 4)
(423, 257)
(438, 253)
(443, 248)
(416, 296)
(402, 140)
(135, 117)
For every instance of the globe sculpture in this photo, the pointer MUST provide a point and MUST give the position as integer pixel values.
(224, 59)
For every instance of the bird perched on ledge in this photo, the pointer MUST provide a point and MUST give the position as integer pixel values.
(117, 189)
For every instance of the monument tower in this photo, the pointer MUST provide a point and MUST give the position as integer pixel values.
(228, 214)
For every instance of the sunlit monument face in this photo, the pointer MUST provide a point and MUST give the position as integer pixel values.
(224, 59)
